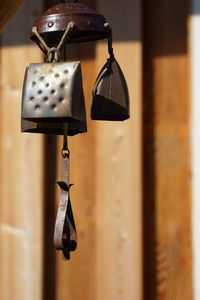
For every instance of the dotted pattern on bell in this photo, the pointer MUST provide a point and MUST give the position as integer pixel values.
(48, 90)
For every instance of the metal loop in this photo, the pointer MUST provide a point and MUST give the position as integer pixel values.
(56, 54)
(65, 153)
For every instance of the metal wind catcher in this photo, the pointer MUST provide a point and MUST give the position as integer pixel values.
(53, 98)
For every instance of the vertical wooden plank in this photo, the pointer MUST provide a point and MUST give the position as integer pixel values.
(194, 51)
(101, 267)
(76, 278)
(118, 167)
(68, 282)
(49, 253)
(166, 152)
(21, 176)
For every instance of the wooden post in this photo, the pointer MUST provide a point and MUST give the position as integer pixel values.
(21, 176)
(106, 170)
(118, 167)
(166, 151)
(76, 279)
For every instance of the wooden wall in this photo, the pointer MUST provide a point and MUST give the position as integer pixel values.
(131, 197)
(118, 156)
(166, 151)
(21, 176)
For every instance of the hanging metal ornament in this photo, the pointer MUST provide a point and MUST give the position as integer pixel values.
(53, 98)
(53, 102)
(65, 237)
(110, 93)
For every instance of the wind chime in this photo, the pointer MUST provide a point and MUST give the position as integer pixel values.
(53, 98)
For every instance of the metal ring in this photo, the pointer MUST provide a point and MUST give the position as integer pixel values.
(54, 50)
(65, 153)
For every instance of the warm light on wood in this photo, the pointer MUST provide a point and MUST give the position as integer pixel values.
(21, 177)
(8, 9)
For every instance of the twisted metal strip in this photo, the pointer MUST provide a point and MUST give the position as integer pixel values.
(65, 237)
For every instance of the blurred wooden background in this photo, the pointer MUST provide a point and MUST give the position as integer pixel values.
(132, 194)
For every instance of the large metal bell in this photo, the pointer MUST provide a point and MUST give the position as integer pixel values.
(53, 92)
(53, 95)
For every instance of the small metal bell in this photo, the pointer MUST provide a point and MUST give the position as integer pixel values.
(110, 93)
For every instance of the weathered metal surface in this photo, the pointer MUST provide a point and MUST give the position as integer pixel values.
(110, 94)
(53, 92)
(65, 237)
(89, 25)
(53, 127)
